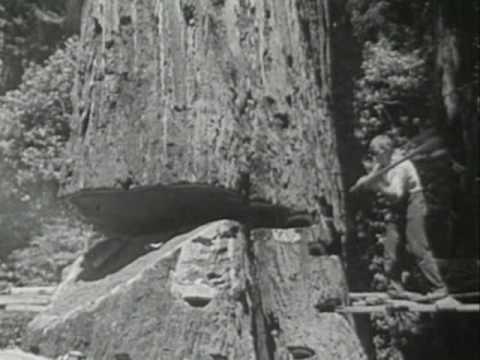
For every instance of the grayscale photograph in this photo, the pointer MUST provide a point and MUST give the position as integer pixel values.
(239, 180)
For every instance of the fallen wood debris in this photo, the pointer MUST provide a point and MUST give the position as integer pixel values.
(17, 354)
(30, 299)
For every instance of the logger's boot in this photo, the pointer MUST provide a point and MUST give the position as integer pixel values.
(298, 219)
(447, 303)
(395, 289)
(4, 287)
(435, 295)
(316, 248)
(441, 298)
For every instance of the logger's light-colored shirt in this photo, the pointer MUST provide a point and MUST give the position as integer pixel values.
(403, 178)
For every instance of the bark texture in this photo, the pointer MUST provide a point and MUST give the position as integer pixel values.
(185, 300)
(299, 294)
(201, 297)
(231, 93)
(225, 93)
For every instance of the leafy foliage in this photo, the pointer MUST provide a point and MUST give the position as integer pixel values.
(393, 95)
(59, 243)
(28, 31)
(34, 119)
(389, 95)
(406, 23)
(397, 94)
(34, 127)
(13, 325)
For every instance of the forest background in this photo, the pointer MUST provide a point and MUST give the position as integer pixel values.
(417, 70)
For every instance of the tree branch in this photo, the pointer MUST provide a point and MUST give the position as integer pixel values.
(48, 16)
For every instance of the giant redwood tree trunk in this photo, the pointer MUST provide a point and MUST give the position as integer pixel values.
(228, 93)
(235, 94)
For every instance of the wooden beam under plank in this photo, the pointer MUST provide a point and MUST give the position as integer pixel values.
(33, 290)
(25, 299)
(17, 354)
(23, 308)
(401, 305)
(385, 296)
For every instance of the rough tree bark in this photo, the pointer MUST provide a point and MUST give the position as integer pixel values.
(228, 93)
(231, 93)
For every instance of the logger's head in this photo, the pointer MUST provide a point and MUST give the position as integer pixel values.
(381, 149)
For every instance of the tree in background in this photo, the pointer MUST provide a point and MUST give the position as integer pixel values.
(456, 107)
(34, 128)
(30, 30)
(419, 61)
(36, 77)
(392, 94)
(37, 238)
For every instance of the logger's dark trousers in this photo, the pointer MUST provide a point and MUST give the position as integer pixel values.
(416, 243)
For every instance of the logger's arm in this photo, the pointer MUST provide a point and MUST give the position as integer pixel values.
(369, 181)
(393, 189)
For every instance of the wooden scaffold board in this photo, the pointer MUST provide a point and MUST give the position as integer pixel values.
(29, 299)
(377, 302)
(403, 305)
